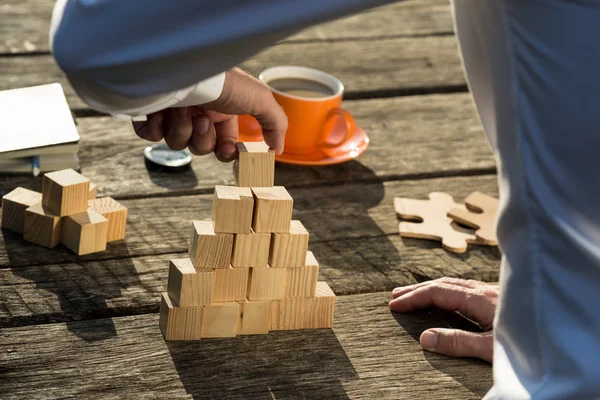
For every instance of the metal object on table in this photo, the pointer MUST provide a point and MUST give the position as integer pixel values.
(159, 157)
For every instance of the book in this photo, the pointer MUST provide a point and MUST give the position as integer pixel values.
(36, 121)
(47, 163)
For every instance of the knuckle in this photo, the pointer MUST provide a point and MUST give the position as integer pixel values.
(447, 280)
(456, 342)
(473, 282)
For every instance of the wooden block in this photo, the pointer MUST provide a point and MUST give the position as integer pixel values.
(14, 205)
(231, 284)
(188, 286)
(179, 323)
(93, 191)
(220, 320)
(255, 317)
(42, 226)
(232, 209)
(480, 213)
(251, 250)
(286, 314)
(85, 233)
(266, 283)
(289, 249)
(302, 281)
(317, 312)
(115, 213)
(65, 192)
(304, 313)
(272, 210)
(209, 249)
(255, 165)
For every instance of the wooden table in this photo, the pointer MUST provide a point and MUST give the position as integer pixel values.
(88, 326)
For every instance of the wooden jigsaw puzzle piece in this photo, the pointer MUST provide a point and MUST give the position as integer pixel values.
(479, 213)
(435, 223)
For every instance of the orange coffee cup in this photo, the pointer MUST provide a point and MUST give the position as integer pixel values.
(311, 120)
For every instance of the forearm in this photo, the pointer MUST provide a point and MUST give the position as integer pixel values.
(140, 49)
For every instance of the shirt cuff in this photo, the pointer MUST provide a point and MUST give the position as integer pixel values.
(204, 92)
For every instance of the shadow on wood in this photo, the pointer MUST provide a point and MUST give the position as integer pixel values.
(308, 364)
(176, 179)
(466, 371)
(375, 254)
(73, 291)
(10, 182)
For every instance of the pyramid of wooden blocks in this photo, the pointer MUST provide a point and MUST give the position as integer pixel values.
(66, 212)
(249, 270)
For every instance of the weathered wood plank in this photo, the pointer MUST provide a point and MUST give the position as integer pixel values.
(393, 65)
(158, 226)
(24, 24)
(354, 238)
(410, 136)
(415, 17)
(369, 352)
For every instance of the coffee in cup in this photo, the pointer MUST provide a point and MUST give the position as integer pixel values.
(301, 87)
(311, 100)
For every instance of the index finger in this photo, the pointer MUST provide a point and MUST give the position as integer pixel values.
(273, 122)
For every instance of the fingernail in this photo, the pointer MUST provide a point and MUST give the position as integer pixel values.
(202, 125)
(429, 340)
(183, 111)
(224, 157)
(396, 290)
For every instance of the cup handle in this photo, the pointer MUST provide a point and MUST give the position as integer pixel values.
(329, 125)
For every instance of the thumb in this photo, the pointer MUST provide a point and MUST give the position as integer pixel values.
(457, 343)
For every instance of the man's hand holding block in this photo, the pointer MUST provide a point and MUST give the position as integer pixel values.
(65, 192)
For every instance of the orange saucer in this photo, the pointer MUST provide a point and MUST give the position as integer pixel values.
(356, 146)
